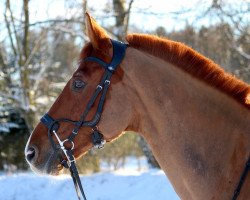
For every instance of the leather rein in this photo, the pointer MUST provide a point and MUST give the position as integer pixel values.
(98, 141)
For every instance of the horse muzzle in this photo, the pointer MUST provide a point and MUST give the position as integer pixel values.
(48, 163)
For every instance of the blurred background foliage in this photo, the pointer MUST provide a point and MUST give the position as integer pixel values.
(38, 57)
(113, 156)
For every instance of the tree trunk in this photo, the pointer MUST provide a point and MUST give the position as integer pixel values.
(84, 10)
(26, 29)
(148, 153)
(121, 17)
(24, 62)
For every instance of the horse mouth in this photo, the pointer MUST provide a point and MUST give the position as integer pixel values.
(50, 166)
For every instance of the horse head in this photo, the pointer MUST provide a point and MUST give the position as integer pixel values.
(74, 99)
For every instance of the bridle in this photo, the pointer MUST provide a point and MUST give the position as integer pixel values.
(98, 141)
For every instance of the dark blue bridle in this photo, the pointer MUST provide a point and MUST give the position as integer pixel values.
(119, 50)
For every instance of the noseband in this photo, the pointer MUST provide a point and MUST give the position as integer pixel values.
(98, 141)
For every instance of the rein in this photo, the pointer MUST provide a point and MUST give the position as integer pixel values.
(98, 141)
(242, 180)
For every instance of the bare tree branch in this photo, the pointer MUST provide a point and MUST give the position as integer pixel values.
(35, 48)
(7, 5)
(70, 31)
(241, 52)
(12, 97)
(14, 28)
(55, 21)
(26, 28)
(126, 23)
(2, 61)
(84, 10)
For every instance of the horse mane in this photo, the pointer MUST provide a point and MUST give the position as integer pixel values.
(194, 63)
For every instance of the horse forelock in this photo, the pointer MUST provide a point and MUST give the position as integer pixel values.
(194, 63)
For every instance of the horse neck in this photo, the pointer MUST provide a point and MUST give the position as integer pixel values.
(199, 135)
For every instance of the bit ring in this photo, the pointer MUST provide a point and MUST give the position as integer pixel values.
(72, 143)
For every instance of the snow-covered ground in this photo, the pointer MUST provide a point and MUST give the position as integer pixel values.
(120, 185)
(127, 183)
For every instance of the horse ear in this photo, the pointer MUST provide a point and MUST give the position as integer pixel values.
(97, 35)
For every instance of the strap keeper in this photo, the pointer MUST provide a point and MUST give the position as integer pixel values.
(65, 164)
(75, 132)
(71, 156)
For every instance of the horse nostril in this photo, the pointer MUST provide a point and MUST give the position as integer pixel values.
(30, 154)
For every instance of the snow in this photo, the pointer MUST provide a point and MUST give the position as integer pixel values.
(119, 185)
(5, 127)
(130, 182)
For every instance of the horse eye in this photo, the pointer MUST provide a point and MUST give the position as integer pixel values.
(78, 84)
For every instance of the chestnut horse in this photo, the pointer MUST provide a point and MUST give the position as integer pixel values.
(194, 116)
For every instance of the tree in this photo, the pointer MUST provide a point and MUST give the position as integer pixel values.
(28, 71)
(33, 54)
(122, 16)
(13, 130)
